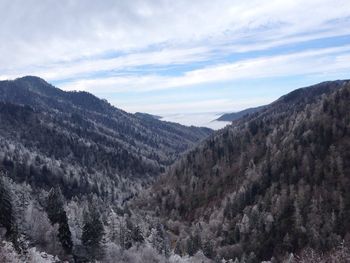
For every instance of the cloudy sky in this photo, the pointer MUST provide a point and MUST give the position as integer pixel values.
(177, 57)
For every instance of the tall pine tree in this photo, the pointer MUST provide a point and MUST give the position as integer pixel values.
(93, 232)
(159, 240)
(7, 213)
(7, 218)
(57, 215)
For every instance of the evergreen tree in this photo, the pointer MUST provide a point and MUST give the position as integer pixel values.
(252, 258)
(178, 248)
(7, 218)
(136, 234)
(122, 235)
(159, 240)
(57, 215)
(54, 205)
(93, 232)
(190, 246)
(7, 214)
(208, 249)
(125, 233)
(194, 243)
(64, 234)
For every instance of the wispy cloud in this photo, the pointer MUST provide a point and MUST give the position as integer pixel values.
(35, 32)
(66, 70)
(318, 61)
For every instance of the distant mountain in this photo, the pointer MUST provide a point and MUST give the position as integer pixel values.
(290, 97)
(147, 115)
(239, 114)
(274, 182)
(82, 143)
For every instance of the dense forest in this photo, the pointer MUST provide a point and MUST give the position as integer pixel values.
(82, 181)
(80, 142)
(273, 183)
(83, 153)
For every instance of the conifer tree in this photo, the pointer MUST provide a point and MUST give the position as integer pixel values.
(7, 213)
(54, 205)
(7, 219)
(159, 240)
(190, 246)
(208, 249)
(93, 232)
(57, 215)
(178, 248)
(136, 234)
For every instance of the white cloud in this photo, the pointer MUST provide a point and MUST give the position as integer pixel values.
(82, 68)
(195, 112)
(197, 119)
(44, 33)
(320, 61)
(199, 106)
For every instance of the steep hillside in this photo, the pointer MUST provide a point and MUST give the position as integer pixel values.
(74, 139)
(69, 164)
(273, 182)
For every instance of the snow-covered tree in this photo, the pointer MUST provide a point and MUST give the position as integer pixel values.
(159, 240)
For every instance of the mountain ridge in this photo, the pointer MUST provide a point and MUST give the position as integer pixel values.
(239, 114)
(131, 146)
(230, 187)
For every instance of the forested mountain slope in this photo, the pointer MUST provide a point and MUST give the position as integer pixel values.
(273, 182)
(69, 164)
(239, 114)
(48, 136)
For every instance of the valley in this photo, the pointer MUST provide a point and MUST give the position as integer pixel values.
(103, 184)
